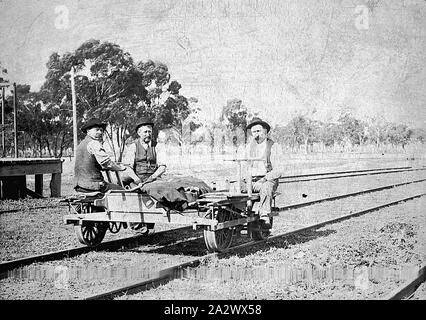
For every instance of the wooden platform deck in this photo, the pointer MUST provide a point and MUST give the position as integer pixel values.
(13, 173)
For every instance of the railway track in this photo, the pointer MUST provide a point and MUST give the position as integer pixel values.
(344, 172)
(130, 242)
(177, 271)
(35, 208)
(352, 194)
(305, 177)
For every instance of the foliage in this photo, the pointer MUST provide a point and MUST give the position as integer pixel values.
(284, 135)
(352, 129)
(304, 131)
(235, 116)
(377, 130)
(331, 134)
(174, 112)
(347, 131)
(3, 73)
(40, 125)
(399, 134)
(111, 86)
(108, 85)
(419, 135)
(49, 125)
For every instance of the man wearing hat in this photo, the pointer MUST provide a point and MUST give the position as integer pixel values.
(142, 155)
(265, 179)
(91, 158)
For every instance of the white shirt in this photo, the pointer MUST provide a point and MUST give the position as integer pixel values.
(257, 151)
(96, 148)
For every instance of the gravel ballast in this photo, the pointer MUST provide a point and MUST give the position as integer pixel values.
(362, 258)
(30, 232)
(347, 260)
(261, 258)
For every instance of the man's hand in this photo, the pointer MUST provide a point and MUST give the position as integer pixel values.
(121, 166)
(141, 184)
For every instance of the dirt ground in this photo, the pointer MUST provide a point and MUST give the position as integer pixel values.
(29, 232)
(362, 258)
(299, 268)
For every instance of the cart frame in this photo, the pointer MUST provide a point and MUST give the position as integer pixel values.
(220, 214)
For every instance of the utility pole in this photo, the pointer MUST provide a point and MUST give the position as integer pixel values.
(3, 86)
(74, 110)
(3, 92)
(15, 102)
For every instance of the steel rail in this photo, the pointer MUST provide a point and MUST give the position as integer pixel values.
(409, 287)
(175, 272)
(350, 175)
(125, 242)
(342, 196)
(34, 208)
(342, 172)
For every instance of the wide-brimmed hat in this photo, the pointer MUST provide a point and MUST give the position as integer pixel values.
(256, 121)
(93, 122)
(144, 122)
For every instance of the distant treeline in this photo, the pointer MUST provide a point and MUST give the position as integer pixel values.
(302, 134)
(110, 85)
(47, 133)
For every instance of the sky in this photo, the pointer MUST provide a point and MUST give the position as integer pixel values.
(281, 57)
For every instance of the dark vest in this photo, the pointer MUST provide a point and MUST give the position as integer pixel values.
(87, 171)
(145, 161)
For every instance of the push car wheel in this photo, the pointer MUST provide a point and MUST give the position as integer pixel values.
(91, 233)
(221, 239)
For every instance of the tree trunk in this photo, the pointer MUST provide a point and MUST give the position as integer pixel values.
(211, 144)
(48, 147)
(306, 146)
(40, 144)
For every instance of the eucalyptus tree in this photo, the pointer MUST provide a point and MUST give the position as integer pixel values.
(110, 85)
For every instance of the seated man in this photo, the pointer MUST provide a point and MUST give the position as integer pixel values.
(91, 158)
(260, 148)
(142, 157)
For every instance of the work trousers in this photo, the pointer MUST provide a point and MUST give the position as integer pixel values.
(267, 189)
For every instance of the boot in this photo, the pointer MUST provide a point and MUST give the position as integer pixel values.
(265, 222)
